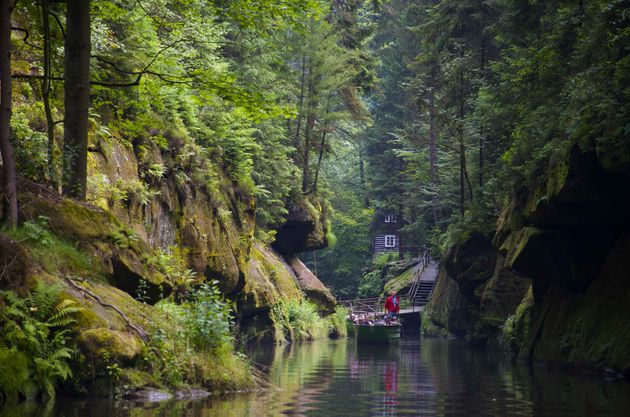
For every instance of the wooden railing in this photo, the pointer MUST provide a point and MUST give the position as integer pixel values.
(413, 290)
(374, 306)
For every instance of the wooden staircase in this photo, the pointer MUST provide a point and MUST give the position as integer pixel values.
(425, 288)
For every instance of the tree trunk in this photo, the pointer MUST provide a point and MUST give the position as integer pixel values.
(311, 114)
(462, 145)
(296, 140)
(9, 194)
(480, 158)
(77, 97)
(50, 123)
(321, 146)
(433, 171)
(462, 163)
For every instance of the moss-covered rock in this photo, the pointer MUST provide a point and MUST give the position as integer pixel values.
(312, 287)
(570, 236)
(112, 344)
(447, 312)
(501, 296)
(268, 280)
(400, 281)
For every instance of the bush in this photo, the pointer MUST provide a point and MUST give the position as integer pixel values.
(297, 320)
(207, 319)
(197, 345)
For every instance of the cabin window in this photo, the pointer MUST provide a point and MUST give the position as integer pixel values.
(390, 241)
(390, 218)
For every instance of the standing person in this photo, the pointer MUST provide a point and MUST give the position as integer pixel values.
(392, 305)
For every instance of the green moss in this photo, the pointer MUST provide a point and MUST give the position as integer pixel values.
(400, 281)
(113, 344)
(221, 372)
(134, 379)
(515, 330)
(298, 320)
(72, 220)
(337, 322)
(55, 255)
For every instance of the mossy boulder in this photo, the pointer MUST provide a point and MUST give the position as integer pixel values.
(107, 343)
(400, 281)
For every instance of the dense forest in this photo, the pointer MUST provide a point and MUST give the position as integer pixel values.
(166, 161)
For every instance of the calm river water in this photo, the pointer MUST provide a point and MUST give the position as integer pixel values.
(427, 378)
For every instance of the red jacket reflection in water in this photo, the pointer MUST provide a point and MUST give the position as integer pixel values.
(391, 377)
(390, 402)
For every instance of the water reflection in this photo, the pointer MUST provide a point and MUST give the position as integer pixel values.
(432, 378)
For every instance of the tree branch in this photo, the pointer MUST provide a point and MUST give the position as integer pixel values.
(27, 35)
(63, 32)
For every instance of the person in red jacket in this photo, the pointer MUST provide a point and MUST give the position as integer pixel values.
(392, 305)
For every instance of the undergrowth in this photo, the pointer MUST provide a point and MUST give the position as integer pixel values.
(49, 251)
(35, 348)
(297, 320)
(196, 347)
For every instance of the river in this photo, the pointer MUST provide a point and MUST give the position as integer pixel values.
(337, 378)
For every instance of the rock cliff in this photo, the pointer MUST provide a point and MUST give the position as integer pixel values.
(552, 285)
(156, 221)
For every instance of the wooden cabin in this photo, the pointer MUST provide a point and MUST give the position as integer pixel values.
(387, 237)
(386, 233)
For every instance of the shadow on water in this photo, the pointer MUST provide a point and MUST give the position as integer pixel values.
(339, 378)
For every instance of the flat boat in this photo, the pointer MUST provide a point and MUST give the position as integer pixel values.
(377, 333)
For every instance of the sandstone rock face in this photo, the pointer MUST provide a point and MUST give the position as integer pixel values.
(570, 236)
(215, 227)
(448, 312)
(475, 293)
(503, 292)
(471, 265)
(311, 285)
(305, 228)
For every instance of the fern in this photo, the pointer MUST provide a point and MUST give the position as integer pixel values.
(43, 299)
(64, 314)
(13, 371)
(34, 332)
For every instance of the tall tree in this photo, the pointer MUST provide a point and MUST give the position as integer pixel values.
(10, 209)
(77, 97)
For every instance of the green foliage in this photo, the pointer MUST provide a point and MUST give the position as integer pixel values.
(196, 347)
(476, 220)
(13, 373)
(516, 327)
(37, 231)
(207, 319)
(173, 263)
(297, 320)
(338, 319)
(35, 335)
